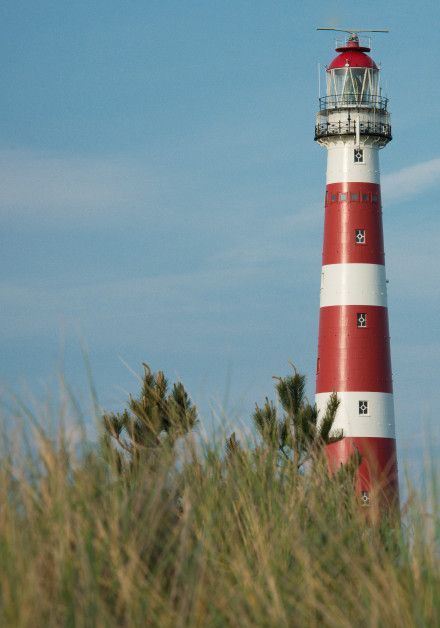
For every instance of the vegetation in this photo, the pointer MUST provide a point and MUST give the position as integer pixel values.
(152, 423)
(148, 530)
(297, 435)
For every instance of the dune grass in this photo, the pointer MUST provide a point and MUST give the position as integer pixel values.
(210, 539)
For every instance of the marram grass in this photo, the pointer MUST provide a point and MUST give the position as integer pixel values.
(208, 540)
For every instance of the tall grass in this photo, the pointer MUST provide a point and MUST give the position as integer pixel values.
(209, 540)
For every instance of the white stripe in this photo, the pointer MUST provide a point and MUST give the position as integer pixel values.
(341, 167)
(353, 284)
(380, 420)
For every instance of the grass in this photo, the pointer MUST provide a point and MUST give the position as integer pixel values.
(212, 540)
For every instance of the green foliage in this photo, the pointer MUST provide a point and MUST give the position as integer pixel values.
(198, 538)
(211, 541)
(299, 434)
(151, 424)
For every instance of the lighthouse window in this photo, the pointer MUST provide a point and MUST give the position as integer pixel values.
(354, 196)
(365, 498)
(374, 197)
(360, 236)
(342, 197)
(333, 197)
(361, 319)
(365, 197)
(363, 407)
(358, 155)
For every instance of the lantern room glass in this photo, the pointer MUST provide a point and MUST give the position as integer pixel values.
(353, 86)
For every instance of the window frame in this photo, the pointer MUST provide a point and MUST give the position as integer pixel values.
(365, 498)
(361, 401)
(359, 151)
(360, 326)
(364, 232)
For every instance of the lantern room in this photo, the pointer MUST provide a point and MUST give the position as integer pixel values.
(353, 77)
(353, 105)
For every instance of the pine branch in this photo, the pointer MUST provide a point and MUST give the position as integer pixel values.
(154, 419)
(266, 421)
(291, 392)
(327, 422)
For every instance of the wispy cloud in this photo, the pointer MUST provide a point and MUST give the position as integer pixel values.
(49, 186)
(286, 238)
(411, 180)
(57, 189)
(106, 301)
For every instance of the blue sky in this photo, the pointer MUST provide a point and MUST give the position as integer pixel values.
(161, 195)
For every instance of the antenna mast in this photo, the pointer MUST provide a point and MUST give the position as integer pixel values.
(353, 31)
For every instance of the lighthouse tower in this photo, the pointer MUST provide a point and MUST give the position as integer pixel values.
(353, 124)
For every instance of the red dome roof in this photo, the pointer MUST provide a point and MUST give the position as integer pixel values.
(353, 55)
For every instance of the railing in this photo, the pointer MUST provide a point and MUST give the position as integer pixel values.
(364, 41)
(352, 100)
(379, 129)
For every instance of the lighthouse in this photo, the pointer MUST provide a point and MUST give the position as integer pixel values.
(353, 124)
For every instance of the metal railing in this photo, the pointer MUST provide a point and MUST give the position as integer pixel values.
(353, 100)
(379, 129)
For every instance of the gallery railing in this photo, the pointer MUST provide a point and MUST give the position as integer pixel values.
(379, 129)
(353, 100)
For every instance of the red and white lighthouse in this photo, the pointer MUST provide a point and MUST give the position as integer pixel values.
(353, 124)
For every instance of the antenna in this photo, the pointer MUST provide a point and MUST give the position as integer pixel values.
(354, 31)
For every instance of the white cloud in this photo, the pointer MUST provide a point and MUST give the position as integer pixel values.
(410, 180)
(286, 238)
(58, 189)
(35, 306)
(41, 186)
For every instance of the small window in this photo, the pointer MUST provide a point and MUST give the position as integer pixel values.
(365, 498)
(361, 319)
(333, 197)
(342, 197)
(358, 155)
(363, 407)
(374, 197)
(326, 198)
(360, 236)
(354, 196)
(317, 365)
(365, 197)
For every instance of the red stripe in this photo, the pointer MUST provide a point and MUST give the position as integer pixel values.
(352, 358)
(378, 470)
(343, 217)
